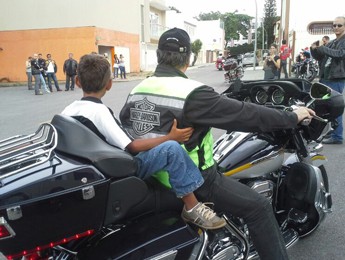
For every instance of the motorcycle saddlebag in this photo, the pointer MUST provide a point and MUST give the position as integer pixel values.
(230, 64)
(43, 212)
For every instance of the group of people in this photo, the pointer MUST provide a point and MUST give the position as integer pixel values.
(185, 153)
(119, 64)
(275, 63)
(44, 72)
(330, 55)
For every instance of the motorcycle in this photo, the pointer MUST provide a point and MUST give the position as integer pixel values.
(233, 71)
(285, 166)
(220, 63)
(307, 69)
(67, 194)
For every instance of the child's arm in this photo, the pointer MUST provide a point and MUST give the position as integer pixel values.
(179, 135)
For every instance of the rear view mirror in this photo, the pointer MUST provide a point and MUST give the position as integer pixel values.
(320, 91)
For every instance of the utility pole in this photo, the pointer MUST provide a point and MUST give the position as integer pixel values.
(256, 34)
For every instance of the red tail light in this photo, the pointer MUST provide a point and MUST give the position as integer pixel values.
(34, 253)
(5, 230)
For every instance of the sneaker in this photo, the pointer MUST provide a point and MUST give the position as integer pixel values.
(203, 216)
(331, 141)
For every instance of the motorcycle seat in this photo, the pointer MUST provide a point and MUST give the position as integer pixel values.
(77, 140)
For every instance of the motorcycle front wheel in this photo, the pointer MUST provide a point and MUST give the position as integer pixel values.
(311, 74)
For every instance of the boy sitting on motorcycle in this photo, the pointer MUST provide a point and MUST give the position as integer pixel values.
(152, 155)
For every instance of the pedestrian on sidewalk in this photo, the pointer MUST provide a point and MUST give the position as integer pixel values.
(51, 73)
(29, 72)
(332, 69)
(122, 67)
(70, 69)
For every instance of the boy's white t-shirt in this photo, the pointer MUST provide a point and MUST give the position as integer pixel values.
(103, 120)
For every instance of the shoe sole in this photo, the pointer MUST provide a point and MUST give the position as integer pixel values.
(214, 227)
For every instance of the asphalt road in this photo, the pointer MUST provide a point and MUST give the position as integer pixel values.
(21, 112)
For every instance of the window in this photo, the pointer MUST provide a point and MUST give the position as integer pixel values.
(320, 28)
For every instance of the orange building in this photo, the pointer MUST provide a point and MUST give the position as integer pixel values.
(17, 46)
(60, 27)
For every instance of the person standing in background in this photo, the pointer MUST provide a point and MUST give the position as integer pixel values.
(70, 69)
(36, 73)
(29, 72)
(122, 67)
(325, 40)
(51, 73)
(332, 69)
(116, 66)
(285, 53)
(272, 64)
(43, 68)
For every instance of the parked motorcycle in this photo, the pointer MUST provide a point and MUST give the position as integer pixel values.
(307, 69)
(233, 71)
(285, 166)
(66, 194)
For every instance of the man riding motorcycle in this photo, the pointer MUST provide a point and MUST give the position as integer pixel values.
(168, 94)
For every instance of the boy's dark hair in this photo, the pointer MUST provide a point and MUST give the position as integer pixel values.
(283, 41)
(93, 72)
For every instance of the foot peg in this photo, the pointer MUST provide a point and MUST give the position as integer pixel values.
(296, 216)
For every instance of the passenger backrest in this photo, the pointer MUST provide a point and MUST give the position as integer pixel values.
(77, 140)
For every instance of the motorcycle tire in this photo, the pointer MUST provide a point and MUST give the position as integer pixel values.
(310, 75)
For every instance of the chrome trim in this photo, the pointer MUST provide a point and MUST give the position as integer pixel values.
(34, 149)
(3, 222)
(14, 213)
(88, 192)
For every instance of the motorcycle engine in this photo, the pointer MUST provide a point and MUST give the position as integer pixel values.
(264, 187)
(222, 245)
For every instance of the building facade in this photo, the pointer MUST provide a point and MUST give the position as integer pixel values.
(131, 28)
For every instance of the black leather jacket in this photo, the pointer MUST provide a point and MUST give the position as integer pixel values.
(35, 67)
(336, 50)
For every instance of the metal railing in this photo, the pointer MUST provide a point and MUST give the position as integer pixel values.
(22, 152)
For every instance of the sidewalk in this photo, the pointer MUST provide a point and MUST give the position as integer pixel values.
(254, 74)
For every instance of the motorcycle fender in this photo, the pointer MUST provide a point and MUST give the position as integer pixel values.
(149, 237)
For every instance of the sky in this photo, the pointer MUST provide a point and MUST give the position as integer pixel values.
(195, 7)
(301, 11)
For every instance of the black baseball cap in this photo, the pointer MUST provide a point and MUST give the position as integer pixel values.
(175, 40)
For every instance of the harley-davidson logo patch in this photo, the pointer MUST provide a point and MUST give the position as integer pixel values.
(144, 117)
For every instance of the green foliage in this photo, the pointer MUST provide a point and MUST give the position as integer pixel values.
(196, 47)
(234, 24)
(270, 19)
(244, 48)
(209, 16)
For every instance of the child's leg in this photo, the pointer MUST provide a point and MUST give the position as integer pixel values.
(184, 178)
(190, 201)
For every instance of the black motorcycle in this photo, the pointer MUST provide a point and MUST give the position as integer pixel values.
(307, 69)
(66, 194)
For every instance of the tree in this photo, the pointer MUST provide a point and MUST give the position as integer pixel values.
(196, 47)
(209, 16)
(270, 11)
(234, 24)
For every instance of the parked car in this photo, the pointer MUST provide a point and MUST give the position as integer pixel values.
(248, 59)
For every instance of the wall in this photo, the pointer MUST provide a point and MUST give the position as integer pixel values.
(18, 45)
(116, 15)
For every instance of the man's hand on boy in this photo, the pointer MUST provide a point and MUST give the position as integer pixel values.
(180, 134)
